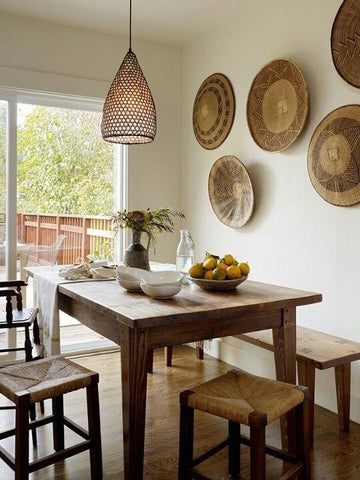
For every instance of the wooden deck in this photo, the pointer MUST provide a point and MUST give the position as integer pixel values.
(335, 456)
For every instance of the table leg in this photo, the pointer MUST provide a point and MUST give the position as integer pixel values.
(134, 367)
(284, 339)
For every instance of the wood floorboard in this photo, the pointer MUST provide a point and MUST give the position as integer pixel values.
(336, 455)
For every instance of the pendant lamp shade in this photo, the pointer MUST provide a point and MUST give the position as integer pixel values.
(129, 114)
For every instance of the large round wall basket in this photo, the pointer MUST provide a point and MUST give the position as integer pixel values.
(334, 157)
(345, 42)
(213, 111)
(230, 191)
(277, 105)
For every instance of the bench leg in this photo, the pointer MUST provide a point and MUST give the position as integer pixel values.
(200, 350)
(168, 355)
(343, 382)
(306, 377)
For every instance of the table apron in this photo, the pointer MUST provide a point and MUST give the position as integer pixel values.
(93, 319)
(185, 332)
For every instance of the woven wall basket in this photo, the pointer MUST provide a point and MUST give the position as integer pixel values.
(334, 157)
(345, 42)
(230, 191)
(213, 111)
(277, 105)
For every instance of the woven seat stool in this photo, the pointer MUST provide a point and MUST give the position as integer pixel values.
(245, 399)
(50, 378)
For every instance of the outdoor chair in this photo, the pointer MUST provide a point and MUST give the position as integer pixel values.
(45, 254)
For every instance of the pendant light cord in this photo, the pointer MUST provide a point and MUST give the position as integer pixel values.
(130, 21)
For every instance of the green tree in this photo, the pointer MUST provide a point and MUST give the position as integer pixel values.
(64, 166)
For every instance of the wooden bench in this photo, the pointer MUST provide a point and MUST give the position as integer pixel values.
(318, 350)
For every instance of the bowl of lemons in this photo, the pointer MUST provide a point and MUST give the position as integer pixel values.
(219, 273)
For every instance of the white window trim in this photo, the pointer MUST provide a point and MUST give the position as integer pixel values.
(14, 96)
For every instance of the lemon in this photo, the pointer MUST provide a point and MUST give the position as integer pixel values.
(233, 271)
(228, 259)
(210, 263)
(222, 265)
(219, 274)
(196, 270)
(245, 269)
(209, 275)
(210, 255)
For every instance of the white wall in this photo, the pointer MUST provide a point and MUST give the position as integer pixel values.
(294, 237)
(37, 55)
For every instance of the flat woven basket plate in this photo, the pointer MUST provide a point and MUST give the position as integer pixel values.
(345, 42)
(334, 157)
(277, 105)
(230, 191)
(213, 111)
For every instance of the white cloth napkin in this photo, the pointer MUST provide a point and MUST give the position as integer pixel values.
(46, 300)
(96, 270)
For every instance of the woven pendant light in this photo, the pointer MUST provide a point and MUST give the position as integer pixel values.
(129, 114)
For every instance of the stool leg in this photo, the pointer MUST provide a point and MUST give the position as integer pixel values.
(186, 440)
(257, 423)
(32, 412)
(234, 449)
(22, 443)
(93, 411)
(306, 377)
(303, 434)
(58, 424)
(343, 382)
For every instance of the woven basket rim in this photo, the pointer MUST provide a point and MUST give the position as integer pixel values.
(225, 205)
(336, 197)
(300, 119)
(345, 69)
(222, 123)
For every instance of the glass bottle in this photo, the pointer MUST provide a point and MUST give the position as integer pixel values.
(185, 252)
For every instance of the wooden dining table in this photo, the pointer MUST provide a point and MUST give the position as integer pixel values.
(138, 324)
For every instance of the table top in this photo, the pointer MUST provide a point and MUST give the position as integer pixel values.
(137, 310)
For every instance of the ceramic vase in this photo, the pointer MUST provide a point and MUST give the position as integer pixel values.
(136, 255)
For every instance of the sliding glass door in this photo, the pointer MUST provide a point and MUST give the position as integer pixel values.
(57, 176)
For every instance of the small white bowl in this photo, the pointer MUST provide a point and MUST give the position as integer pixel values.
(160, 291)
(164, 277)
(129, 285)
(131, 273)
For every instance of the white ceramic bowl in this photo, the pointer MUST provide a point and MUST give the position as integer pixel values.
(160, 291)
(132, 277)
(131, 273)
(129, 285)
(164, 277)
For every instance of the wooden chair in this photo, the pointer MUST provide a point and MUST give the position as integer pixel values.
(21, 318)
(246, 399)
(53, 377)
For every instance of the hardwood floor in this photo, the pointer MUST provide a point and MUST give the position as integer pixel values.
(336, 455)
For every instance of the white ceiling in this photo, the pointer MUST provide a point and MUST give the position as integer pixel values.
(172, 22)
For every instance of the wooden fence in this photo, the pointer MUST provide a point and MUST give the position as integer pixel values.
(84, 235)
